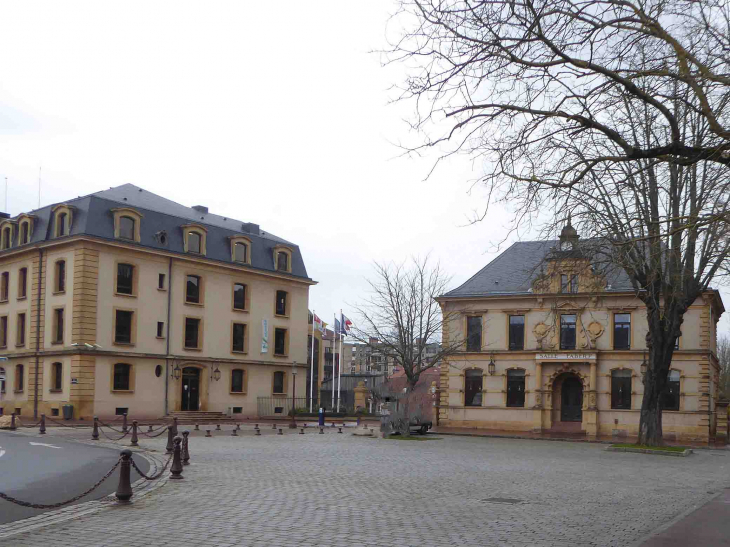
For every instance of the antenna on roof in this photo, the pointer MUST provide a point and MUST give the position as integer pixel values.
(39, 185)
(6, 195)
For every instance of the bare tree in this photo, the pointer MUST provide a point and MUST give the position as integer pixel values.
(401, 319)
(613, 110)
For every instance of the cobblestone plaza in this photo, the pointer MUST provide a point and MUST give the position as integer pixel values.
(344, 490)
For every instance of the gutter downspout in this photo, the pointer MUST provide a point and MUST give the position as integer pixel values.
(38, 333)
(167, 352)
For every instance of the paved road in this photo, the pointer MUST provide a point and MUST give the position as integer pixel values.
(339, 490)
(43, 474)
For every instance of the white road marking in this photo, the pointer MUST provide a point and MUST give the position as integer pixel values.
(1, 451)
(43, 444)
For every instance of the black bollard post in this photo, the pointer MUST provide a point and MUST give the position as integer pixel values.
(256, 427)
(281, 432)
(333, 424)
(238, 426)
(124, 488)
(258, 432)
(234, 433)
(273, 426)
(124, 424)
(95, 433)
(135, 440)
(217, 427)
(197, 428)
(207, 433)
(301, 431)
(321, 430)
(340, 430)
(43, 424)
(12, 422)
(149, 428)
(170, 446)
(174, 427)
(176, 469)
(185, 449)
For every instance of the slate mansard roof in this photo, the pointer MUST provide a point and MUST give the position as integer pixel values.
(92, 216)
(513, 272)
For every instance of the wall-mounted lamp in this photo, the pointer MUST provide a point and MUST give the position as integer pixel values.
(176, 372)
(492, 367)
(216, 374)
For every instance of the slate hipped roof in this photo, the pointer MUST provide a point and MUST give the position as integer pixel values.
(516, 268)
(92, 216)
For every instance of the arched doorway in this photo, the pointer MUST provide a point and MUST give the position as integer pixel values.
(190, 389)
(571, 399)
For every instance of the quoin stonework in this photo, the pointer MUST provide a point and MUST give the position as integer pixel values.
(553, 341)
(126, 301)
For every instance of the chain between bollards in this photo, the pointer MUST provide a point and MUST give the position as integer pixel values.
(185, 450)
(176, 469)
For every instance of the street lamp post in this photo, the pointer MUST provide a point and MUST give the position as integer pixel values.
(293, 424)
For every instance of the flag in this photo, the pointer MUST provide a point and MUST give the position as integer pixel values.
(317, 322)
(338, 328)
(346, 324)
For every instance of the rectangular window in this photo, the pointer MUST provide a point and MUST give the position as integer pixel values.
(160, 329)
(60, 276)
(161, 281)
(126, 228)
(58, 326)
(280, 342)
(20, 331)
(621, 389)
(567, 332)
(19, 378)
(121, 410)
(57, 376)
(621, 330)
(278, 382)
(281, 302)
(194, 241)
(240, 252)
(237, 381)
(192, 332)
(563, 283)
(24, 233)
(473, 387)
(516, 388)
(125, 279)
(239, 296)
(123, 329)
(3, 331)
(239, 337)
(569, 283)
(4, 286)
(516, 332)
(474, 333)
(574, 283)
(670, 398)
(192, 291)
(23, 283)
(282, 262)
(122, 377)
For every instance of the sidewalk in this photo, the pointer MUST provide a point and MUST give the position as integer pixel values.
(708, 526)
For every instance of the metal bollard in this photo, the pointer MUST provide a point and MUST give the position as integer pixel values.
(149, 428)
(95, 433)
(256, 426)
(340, 430)
(321, 430)
(124, 424)
(238, 426)
(305, 425)
(174, 425)
(124, 488)
(333, 424)
(358, 420)
(170, 445)
(197, 428)
(43, 424)
(281, 432)
(273, 426)
(12, 422)
(185, 449)
(301, 431)
(135, 440)
(234, 432)
(176, 469)
(217, 427)
(258, 432)
(207, 433)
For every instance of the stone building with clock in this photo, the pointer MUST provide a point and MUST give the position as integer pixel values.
(552, 342)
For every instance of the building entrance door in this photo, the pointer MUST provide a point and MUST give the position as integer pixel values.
(571, 409)
(190, 389)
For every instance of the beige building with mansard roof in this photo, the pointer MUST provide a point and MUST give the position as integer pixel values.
(124, 300)
(554, 343)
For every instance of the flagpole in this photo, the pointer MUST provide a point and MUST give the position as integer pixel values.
(339, 370)
(311, 368)
(334, 357)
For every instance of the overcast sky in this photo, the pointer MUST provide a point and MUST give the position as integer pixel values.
(270, 112)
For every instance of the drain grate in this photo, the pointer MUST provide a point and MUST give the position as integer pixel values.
(510, 501)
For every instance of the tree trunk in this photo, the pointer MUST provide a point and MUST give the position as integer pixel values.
(655, 383)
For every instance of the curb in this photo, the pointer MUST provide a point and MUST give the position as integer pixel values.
(682, 454)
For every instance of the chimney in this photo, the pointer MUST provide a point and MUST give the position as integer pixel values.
(4, 215)
(201, 209)
(250, 228)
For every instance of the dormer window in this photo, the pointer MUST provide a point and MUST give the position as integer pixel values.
(7, 237)
(282, 259)
(194, 239)
(127, 224)
(25, 228)
(61, 224)
(63, 215)
(24, 233)
(240, 249)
